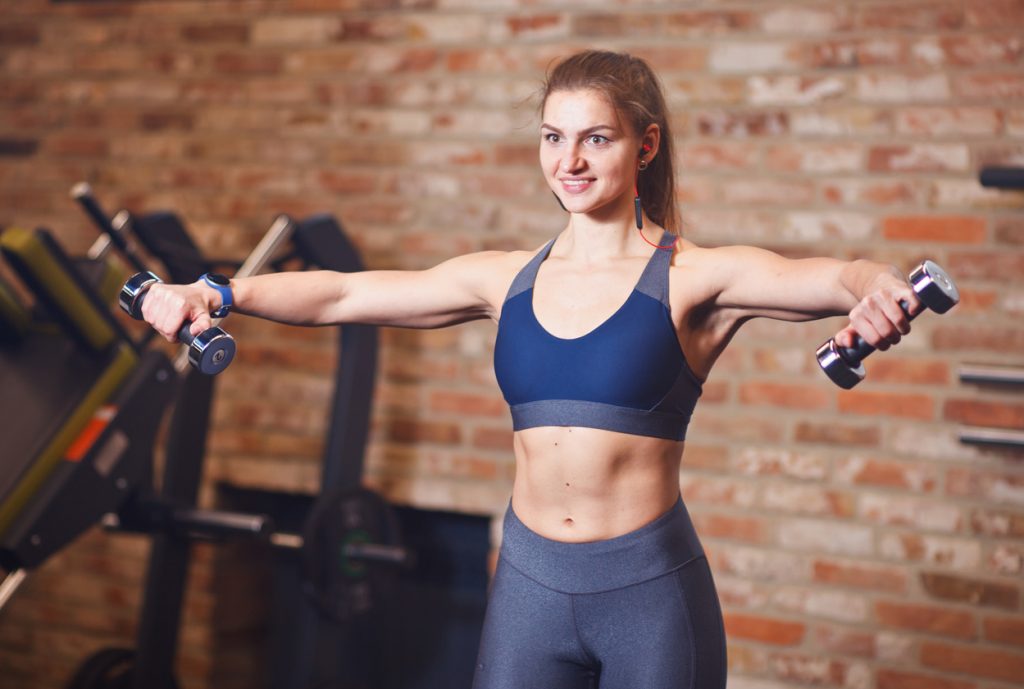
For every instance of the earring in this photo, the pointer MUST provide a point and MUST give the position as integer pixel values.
(643, 164)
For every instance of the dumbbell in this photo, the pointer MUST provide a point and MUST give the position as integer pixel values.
(935, 290)
(210, 351)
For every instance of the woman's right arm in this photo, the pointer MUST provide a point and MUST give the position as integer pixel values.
(461, 289)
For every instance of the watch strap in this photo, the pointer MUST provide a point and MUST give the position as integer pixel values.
(226, 296)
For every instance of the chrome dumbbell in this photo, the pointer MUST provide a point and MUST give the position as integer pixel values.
(936, 291)
(210, 351)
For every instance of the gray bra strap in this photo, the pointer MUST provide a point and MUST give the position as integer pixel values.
(654, 280)
(525, 278)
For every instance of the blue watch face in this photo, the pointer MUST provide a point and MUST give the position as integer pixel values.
(218, 279)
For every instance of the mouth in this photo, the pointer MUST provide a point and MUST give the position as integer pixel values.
(576, 185)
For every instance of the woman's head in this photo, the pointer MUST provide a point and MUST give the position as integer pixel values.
(633, 92)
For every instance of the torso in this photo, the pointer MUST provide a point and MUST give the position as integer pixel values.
(583, 484)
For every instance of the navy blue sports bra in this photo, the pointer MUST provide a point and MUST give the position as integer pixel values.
(628, 374)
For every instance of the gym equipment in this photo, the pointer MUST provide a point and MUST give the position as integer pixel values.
(936, 291)
(108, 668)
(1002, 177)
(211, 351)
(350, 548)
(109, 474)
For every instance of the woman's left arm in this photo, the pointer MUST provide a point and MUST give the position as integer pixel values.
(755, 282)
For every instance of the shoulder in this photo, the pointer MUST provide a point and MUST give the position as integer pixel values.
(488, 273)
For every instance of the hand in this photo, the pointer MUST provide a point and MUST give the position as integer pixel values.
(167, 307)
(878, 318)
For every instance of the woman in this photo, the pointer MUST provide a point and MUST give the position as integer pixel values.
(602, 345)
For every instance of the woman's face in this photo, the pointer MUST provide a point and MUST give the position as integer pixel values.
(588, 154)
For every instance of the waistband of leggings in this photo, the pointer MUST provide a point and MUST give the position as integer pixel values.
(657, 548)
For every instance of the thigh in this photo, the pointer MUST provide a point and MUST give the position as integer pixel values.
(662, 634)
(529, 640)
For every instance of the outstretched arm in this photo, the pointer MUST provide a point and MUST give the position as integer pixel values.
(458, 290)
(754, 282)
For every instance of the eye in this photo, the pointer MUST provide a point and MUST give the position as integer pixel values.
(551, 137)
(598, 140)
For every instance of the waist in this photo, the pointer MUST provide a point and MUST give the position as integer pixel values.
(661, 546)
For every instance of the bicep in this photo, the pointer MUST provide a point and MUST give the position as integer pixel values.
(452, 292)
(757, 282)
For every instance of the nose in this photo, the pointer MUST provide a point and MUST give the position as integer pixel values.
(572, 161)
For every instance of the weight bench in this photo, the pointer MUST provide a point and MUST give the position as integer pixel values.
(81, 404)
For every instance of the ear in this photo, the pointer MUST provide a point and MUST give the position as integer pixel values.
(650, 142)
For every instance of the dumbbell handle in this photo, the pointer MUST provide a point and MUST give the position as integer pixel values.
(861, 348)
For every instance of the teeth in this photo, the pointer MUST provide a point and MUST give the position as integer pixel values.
(575, 182)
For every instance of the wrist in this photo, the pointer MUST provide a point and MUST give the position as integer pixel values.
(222, 286)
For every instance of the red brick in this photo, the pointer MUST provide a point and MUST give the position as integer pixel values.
(1006, 630)
(489, 438)
(972, 660)
(900, 679)
(19, 34)
(874, 577)
(960, 589)
(247, 63)
(995, 14)
(916, 16)
(1007, 266)
(216, 32)
(1009, 230)
(467, 404)
(995, 522)
(836, 640)
(914, 371)
(918, 158)
(989, 87)
(787, 395)
(764, 629)
(719, 123)
(718, 155)
(926, 618)
(705, 23)
(989, 338)
(909, 406)
(919, 478)
(414, 431)
(836, 433)
(924, 228)
(947, 121)
(769, 192)
(746, 529)
(810, 157)
(984, 413)
(993, 486)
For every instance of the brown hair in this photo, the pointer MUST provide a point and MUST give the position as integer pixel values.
(633, 89)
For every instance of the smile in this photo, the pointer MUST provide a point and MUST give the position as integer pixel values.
(576, 186)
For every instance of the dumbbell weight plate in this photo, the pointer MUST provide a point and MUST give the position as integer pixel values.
(351, 553)
(934, 287)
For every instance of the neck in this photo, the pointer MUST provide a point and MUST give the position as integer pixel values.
(602, 235)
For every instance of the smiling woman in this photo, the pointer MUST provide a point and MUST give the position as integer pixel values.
(603, 344)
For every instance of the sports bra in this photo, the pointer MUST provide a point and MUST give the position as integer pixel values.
(628, 374)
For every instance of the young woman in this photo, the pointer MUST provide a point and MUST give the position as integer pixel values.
(604, 336)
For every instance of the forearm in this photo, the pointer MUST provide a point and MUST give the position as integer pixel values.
(296, 298)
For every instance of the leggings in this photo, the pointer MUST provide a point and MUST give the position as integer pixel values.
(637, 611)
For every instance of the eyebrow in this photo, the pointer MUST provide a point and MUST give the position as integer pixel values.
(585, 132)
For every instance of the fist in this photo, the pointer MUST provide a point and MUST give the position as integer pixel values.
(878, 318)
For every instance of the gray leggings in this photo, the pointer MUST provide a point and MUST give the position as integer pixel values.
(638, 611)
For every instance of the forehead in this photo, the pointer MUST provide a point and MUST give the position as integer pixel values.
(579, 109)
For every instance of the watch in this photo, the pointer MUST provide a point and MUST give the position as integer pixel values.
(222, 285)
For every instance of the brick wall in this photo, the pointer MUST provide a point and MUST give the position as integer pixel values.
(855, 542)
